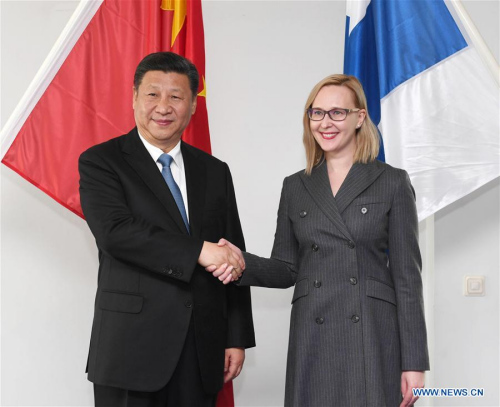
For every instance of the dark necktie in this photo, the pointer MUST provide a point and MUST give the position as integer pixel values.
(165, 160)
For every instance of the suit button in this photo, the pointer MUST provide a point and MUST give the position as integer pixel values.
(364, 210)
(303, 214)
(317, 283)
(188, 304)
(355, 318)
(169, 271)
(353, 280)
(319, 321)
(351, 244)
(315, 247)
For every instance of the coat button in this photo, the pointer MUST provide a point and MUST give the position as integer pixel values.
(353, 280)
(317, 283)
(319, 321)
(351, 244)
(364, 210)
(169, 271)
(303, 214)
(355, 318)
(188, 304)
(315, 247)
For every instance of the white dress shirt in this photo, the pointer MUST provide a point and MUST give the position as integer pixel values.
(177, 166)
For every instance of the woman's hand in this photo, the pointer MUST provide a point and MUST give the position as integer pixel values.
(226, 272)
(411, 380)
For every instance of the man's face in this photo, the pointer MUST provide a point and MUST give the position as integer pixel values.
(163, 105)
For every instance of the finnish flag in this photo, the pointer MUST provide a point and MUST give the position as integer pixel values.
(434, 100)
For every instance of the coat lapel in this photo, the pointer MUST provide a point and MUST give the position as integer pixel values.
(139, 159)
(318, 186)
(196, 176)
(360, 177)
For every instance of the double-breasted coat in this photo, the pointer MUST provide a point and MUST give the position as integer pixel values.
(357, 316)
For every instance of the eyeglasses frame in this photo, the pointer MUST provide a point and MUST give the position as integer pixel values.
(347, 111)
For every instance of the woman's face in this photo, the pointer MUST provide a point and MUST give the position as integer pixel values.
(336, 138)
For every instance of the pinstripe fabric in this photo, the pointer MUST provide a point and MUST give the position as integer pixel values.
(357, 316)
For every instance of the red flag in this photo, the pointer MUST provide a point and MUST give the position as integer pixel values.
(90, 98)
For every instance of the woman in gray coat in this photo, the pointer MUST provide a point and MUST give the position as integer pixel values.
(347, 238)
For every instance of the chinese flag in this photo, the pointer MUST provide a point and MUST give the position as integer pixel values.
(90, 98)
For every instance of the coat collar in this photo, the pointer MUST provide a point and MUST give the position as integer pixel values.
(360, 177)
(196, 182)
(140, 160)
(318, 186)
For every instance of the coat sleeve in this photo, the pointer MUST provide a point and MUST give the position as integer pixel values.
(280, 270)
(127, 237)
(405, 265)
(240, 321)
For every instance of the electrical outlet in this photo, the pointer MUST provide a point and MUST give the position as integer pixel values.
(474, 286)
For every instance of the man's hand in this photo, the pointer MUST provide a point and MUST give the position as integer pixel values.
(217, 255)
(410, 380)
(224, 272)
(233, 363)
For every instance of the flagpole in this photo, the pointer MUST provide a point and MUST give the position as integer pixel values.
(62, 47)
(428, 278)
(476, 39)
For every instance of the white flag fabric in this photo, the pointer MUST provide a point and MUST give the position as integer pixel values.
(435, 102)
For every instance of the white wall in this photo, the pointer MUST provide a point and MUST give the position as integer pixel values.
(260, 59)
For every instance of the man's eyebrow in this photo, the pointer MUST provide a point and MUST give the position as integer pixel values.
(156, 85)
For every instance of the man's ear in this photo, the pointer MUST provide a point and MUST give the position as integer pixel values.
(134, 96)
(194, 104)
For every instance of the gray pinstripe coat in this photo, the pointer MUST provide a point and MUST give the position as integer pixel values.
(357, 317)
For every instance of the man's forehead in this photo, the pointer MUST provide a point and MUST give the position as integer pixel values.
(171, 80)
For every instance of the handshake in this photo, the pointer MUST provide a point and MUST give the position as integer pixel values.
(223, 259)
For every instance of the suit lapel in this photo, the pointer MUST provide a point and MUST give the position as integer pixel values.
(140, 160)
(196, 176)
(318, 186)
(360, 177)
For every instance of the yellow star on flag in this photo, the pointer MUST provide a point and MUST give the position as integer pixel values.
(179, 9)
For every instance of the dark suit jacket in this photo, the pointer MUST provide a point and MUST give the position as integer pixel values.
(150, 285)
(357, 317)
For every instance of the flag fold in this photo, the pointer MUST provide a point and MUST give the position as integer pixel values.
(435, 102)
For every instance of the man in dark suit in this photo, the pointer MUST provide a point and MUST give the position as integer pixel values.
(164, 332)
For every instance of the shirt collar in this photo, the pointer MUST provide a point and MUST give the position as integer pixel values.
(156, 152)
(176, 153)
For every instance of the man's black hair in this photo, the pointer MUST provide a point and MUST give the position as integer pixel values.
(168, 62)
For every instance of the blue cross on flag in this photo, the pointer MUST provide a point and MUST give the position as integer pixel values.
(433, 98)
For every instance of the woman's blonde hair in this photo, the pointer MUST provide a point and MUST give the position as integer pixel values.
(367, 137)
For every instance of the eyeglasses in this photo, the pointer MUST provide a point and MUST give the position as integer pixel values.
(338, 114)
